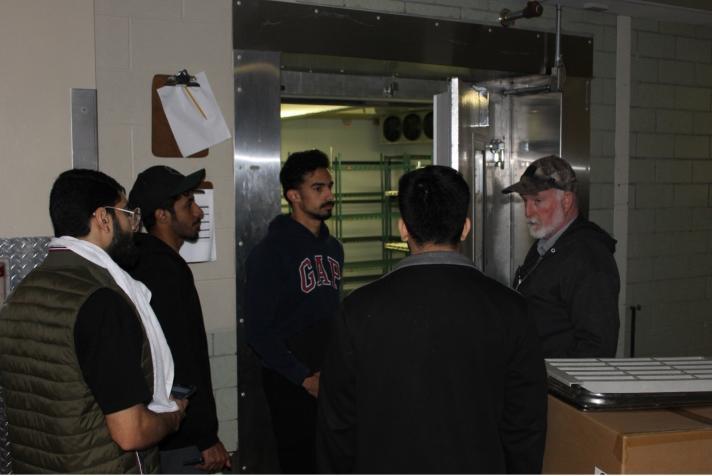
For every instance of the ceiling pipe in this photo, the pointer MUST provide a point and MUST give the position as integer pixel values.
(532, 10)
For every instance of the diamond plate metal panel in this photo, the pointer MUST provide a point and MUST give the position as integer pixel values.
(24, 254)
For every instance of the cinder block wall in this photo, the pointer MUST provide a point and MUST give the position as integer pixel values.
(134, 41)
(670, 252)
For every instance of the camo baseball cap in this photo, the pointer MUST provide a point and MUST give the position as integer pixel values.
(545, 173)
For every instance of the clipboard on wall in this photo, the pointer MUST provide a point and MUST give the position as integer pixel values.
(163, 142)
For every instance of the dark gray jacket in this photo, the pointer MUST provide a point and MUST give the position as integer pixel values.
(433, 368)
(572, 293)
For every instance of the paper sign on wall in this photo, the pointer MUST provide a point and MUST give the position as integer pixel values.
(204, 248)
(194, 116)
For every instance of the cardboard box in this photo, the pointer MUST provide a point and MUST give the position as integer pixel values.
(629, 441)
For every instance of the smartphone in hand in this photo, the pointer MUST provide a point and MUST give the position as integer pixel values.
(182, 391)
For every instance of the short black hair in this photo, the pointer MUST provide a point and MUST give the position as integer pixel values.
(433, 203)
(75, 195)
(298, 165)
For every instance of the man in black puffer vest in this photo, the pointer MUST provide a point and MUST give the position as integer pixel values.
(569, 276)
(76, 362)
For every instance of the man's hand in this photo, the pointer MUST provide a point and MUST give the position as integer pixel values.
(215, 458)
(138, 428)
(177, 417)
(311, 384)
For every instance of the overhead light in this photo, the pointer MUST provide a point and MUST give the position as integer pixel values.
(298, 110)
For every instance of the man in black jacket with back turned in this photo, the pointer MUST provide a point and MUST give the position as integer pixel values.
(434, 368)
(171, 216)
(569, 277)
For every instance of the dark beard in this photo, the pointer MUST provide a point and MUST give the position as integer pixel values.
(323, 216)
(122, 248)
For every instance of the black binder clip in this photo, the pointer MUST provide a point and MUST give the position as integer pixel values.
(182, 79)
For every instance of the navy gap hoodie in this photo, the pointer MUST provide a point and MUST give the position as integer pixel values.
(293, 282)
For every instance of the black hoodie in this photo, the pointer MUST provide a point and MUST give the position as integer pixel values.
(572, 292)
(293, 281)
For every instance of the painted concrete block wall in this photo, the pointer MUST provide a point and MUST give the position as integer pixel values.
(134, 41)
(670, 252)
(46, 48)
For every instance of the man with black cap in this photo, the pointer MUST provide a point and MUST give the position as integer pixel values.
(569, 276)
(171, 217)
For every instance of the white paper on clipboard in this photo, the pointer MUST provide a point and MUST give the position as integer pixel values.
(203, 249)
(194, 116)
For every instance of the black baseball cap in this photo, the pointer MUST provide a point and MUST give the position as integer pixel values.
(155, 185)
(545, 173)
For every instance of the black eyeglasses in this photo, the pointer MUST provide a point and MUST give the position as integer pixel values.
(134, 216)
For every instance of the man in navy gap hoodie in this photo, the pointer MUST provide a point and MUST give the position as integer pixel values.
(293, 279)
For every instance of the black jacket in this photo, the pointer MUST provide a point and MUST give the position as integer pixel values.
(175, 301)
(434, 368)
(293, 282)
(572, 293)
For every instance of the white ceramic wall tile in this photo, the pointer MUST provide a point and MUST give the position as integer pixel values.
(224, 267)
(642, 120)
(653, 195)
(228, 434)
(692, 147)
(678, 72)
(225, 342)
(167, 10)
(703, 74)
(674, 121)
(218, 299)
(673, 171)
(112, 42)
(163, 46)
(123, 97)
(691, 196)
(692, 99)
(207, 10)
(226, 403)
(601, 195)
(676, 29)
(112, 7)
(115, 153)
(655, 45)
(694, 50)
(223, 370)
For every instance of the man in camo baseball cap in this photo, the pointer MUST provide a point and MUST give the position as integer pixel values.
(545, 173)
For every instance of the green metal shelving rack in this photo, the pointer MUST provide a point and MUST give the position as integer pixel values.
(392, 249)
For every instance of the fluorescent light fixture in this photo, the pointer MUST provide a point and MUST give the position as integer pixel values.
(297, 110)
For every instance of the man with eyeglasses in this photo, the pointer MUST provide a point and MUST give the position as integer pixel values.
(84, 364)
(569, 276)
(171, 217)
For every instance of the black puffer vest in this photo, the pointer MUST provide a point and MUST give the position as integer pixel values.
(55, 425)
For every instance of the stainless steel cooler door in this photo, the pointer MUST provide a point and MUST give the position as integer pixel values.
(492, 154)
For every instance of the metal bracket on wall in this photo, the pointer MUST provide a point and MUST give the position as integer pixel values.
(85, 143)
